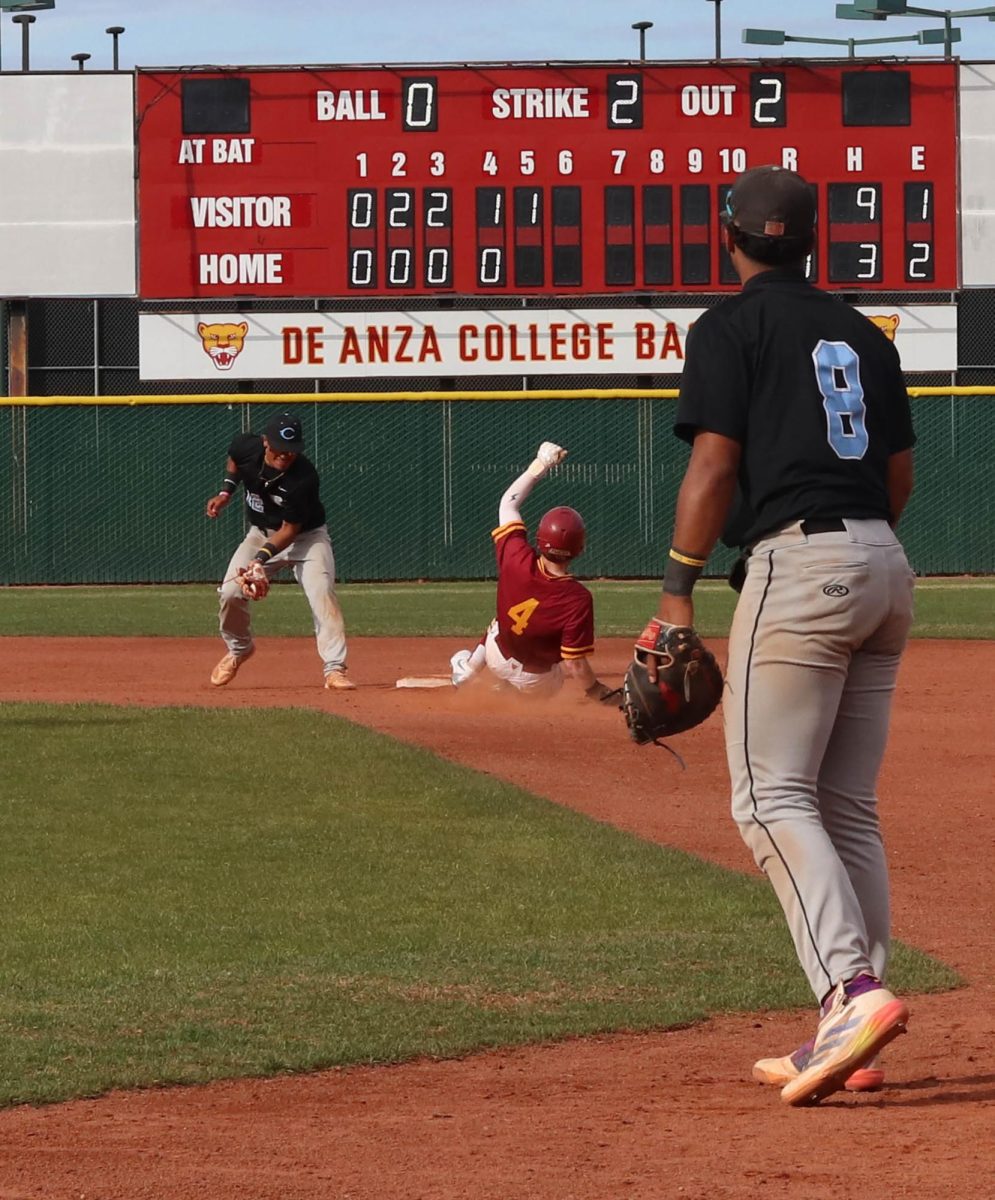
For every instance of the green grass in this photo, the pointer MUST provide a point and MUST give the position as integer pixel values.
(947, 608)
(176, 912)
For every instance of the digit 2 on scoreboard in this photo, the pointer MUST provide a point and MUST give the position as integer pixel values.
(919, 233)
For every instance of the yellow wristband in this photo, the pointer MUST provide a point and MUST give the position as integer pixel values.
(686, 559)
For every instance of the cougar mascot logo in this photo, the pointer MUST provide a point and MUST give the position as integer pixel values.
(223, 342)
(887, 325)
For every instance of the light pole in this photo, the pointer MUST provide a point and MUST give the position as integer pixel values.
(881, 10)
(642, 26)
(777, 37)
(718, 28)
(80, 59)
(19, 6)
(25, 20)
(115, 31)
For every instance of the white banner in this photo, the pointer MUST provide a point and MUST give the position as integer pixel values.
(400, 345)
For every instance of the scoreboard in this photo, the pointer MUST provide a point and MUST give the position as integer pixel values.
(534, 180)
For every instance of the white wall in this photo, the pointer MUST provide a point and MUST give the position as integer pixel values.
(67, 185)
(977, 174)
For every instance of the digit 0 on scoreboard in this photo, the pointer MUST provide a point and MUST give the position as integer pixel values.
(361, 238)
(437, 237)
(399, 208)
(492, 237)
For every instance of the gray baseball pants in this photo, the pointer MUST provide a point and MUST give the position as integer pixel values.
(813, 660)
(310, 557)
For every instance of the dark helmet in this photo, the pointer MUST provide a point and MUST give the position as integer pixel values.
(560, 535)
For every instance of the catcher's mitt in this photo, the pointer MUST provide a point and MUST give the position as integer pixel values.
(253, 581)
(688, 683)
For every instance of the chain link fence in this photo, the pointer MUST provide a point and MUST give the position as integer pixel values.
(114, 494)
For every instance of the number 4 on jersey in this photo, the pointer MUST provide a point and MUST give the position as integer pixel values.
(521, 614)
(837, 374)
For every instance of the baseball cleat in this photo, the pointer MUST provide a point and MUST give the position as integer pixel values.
(338, 681)
(461, 670)
(851, 1033)
(227, 668)
(779, 1071)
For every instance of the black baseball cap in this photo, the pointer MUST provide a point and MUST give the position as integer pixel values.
(284, 434)
(772, 202)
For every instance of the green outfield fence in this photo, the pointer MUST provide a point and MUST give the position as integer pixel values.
(104, 477)
(114, 491)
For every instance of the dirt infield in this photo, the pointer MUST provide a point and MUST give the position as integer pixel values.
(636, 1116)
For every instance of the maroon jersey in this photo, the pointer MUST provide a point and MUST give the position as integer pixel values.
(541, 618)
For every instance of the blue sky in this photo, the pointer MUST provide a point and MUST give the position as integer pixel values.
(253, 32)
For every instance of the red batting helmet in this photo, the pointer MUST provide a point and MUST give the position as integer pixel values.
(560, 535)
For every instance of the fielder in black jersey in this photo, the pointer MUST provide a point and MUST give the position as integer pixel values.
(286, 529)
(802, 441)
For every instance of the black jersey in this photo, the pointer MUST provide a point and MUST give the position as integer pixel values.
(813, 392)
(273, 496)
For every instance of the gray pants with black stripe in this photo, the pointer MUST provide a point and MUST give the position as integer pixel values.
(813, 659)
(312, 561)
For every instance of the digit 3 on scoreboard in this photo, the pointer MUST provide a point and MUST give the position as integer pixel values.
(855, 237)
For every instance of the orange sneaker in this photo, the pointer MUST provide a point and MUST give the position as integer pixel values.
(849, 1036)
(339, 681)
(227, 668)
(779, 1071)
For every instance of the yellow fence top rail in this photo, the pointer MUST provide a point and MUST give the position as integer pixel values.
(289, 398)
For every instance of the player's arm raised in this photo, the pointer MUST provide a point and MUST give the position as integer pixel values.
(510, 508)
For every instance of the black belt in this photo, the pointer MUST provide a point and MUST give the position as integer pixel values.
(823, 525)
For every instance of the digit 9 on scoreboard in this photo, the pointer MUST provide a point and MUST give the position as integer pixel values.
(855, 233)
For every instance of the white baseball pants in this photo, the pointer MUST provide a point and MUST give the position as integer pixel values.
(510, 670)
(813, 659)
(311, 558)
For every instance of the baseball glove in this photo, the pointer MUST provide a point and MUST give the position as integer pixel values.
(253, 581)
(688, 683)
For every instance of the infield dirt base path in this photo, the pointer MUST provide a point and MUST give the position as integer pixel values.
(649, 1116)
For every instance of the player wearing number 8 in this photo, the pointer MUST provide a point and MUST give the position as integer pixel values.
(796, 401)
(544, 627)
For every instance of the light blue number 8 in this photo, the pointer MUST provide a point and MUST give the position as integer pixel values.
(837, 373)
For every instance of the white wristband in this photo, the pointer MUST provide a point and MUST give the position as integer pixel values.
(537, 468)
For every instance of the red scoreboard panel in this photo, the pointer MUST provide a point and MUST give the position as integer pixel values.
(533, 180)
